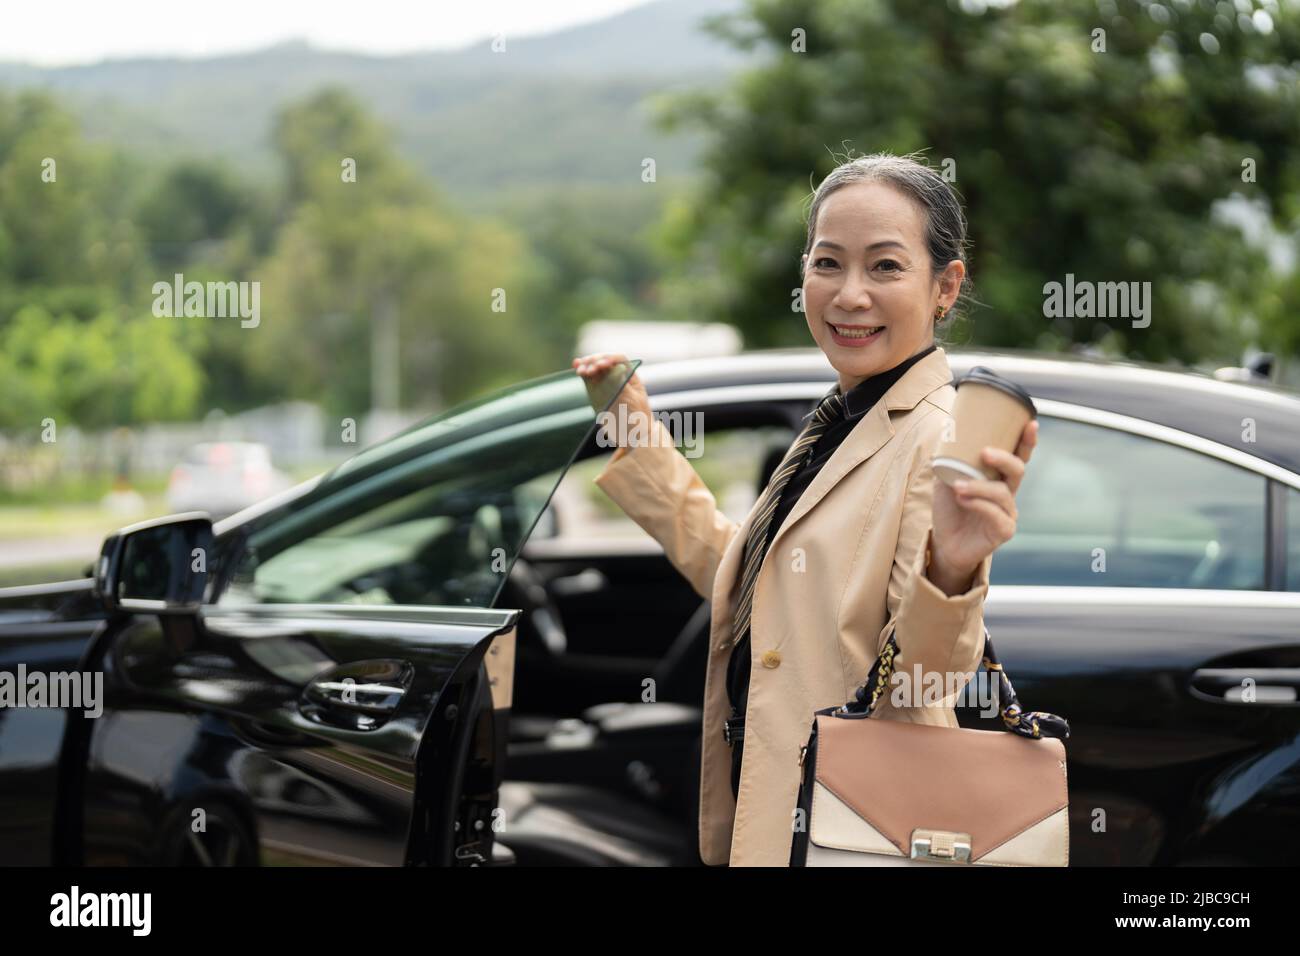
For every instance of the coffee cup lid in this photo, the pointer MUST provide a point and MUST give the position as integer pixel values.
(986, 376)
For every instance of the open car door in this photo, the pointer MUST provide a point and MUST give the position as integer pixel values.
(341, 695)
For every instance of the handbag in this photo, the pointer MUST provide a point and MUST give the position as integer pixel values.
(893, 793)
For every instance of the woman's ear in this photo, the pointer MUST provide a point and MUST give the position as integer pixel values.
(950, 282)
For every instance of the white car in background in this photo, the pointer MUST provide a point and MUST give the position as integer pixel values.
(223, 477)
(658, 341)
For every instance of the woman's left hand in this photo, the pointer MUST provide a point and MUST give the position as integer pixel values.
(973, 518)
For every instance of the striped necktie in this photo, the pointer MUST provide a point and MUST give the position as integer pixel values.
(828, 411)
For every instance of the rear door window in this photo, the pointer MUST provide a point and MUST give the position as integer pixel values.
(1104, 508)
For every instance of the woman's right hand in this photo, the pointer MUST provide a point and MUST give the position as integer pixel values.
(633, 400)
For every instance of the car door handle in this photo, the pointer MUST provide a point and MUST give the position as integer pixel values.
(373, 698)
(360, 696)
(1273, 685)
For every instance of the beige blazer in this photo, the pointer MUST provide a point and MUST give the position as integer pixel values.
(846, 561)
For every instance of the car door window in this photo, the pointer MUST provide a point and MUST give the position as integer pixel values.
(1100, 507)
(730, 461)
(433, 516)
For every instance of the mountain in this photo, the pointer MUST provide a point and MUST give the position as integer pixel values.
(550, 111)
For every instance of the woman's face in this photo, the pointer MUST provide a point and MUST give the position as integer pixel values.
(868, 269)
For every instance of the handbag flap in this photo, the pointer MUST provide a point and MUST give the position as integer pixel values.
(900, 776)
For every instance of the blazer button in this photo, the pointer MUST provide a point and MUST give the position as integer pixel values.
(771, 659)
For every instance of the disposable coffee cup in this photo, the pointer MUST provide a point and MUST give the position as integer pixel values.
(989, 410)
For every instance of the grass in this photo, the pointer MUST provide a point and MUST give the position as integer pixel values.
(40, 574)
(74, 520)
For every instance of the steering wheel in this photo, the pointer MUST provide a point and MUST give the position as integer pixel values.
(540, 626)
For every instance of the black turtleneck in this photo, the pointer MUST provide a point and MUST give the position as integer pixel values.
(857, 402)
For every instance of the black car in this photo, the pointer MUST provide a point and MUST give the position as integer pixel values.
(451, 650)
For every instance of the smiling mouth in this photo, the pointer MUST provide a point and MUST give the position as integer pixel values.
(856, 331)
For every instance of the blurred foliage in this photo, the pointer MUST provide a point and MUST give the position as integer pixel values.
(78, 342)
(346, 250)
(1106, 165)
(96, 372)
(79, 256)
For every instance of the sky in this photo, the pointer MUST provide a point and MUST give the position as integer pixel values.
(67, 32)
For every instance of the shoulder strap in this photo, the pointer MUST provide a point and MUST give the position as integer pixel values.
(1035, 723)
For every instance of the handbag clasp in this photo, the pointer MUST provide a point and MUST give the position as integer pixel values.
(945, 845)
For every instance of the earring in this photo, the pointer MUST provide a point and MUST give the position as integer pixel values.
(938, 312)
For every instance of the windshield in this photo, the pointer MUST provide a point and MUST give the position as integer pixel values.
(436, 515)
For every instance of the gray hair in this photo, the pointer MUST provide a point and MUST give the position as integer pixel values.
(945, 223)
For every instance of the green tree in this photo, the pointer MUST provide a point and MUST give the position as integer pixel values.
(77, 340)
(95, 374)
(1106, 165)
(195, 202)
(354, 250)
(594, 258)
(65, 207)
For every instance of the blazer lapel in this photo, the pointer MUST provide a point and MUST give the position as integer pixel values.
(875, 428)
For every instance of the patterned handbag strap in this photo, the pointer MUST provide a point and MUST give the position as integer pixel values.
(1035, 723)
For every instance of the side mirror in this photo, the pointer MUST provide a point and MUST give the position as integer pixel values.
(160, 566)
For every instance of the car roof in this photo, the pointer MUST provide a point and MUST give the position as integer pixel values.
(1187, 400)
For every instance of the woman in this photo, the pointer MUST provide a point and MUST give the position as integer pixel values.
(853, 532)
